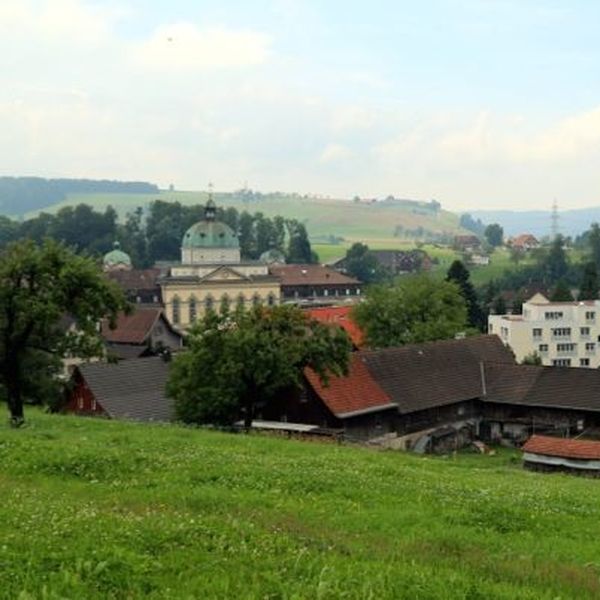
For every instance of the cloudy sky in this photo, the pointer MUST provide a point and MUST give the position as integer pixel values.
(476, 103)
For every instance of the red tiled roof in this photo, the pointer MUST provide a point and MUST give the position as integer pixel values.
(563, 448)
(339, 315)
(523, 239)
(310, 275)
(355, 393)
(133, 328)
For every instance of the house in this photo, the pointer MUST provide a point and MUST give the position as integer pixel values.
(398, 262)
(315, 284)
(523, 399)
(544, 453)
(525, 241)
(563, 334)
(130, 389)
(145, 331)
(212, 274)
(467, 243)
(140, 286)
(340, 316)
(398, 391)
(478, 260)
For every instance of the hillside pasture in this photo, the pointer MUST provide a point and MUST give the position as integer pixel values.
(97, 509)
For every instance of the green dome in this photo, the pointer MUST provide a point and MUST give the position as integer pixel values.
(116, 257)
(272, 256)
(210, 234)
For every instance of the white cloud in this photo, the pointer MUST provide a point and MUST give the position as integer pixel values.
(184, 46)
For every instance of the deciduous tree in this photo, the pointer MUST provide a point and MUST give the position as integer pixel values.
(494, 234)
(235, 362)
(39, 285)
(417, 309)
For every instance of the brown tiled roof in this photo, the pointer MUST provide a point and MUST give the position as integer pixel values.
(310, 275)
(339, 315)
(563, 448)
(134, 328)
(554, 387)
(136, 279)
(421, 376)
(355, 394)
(523, 239)
(131, 389)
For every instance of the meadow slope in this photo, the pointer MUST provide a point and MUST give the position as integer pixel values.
(99, 509)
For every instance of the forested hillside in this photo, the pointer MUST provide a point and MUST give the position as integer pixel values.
(19, 195)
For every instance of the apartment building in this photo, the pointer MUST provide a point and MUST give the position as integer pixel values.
(564, 334)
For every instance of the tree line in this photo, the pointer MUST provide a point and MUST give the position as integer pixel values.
(157, 235)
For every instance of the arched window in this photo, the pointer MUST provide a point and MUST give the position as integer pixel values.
(176, 311)
(225, 304)
(256, 301)
(209, 303)
(271, 300)
(241, 301)
(193, 309)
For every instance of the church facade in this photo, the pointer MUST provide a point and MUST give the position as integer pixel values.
(213, 275)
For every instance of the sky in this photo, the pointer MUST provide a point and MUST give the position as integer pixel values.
(479, 104)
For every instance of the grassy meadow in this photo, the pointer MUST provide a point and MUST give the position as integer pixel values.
(99, 509)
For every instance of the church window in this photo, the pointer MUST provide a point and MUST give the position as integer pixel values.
(176, 311)
(193, 310)
(209, 303)
(271, 300)
(256, 300)
(241, 301)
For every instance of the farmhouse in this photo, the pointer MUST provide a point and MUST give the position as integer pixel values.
(397, 262)
(130, 389)
(525, 241)
(467, 243)
(140, 286)
(143, 332)
(398, 391)
(543, 453)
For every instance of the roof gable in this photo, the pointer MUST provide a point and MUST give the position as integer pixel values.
(421, 376)
(341, 316)
(134, 328)
(353, 394)
(225, 273)
(130, 389)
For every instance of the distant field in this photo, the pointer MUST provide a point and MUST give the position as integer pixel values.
(95, 509)
(354, 222)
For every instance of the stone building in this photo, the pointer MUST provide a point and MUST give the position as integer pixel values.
(212, 274)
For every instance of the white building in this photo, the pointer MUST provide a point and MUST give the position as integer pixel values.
(564, 334)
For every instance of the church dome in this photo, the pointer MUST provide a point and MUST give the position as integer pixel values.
(210, 233)
(116, 258)
(272, 257)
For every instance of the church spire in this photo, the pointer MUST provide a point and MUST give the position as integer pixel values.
(210, 211)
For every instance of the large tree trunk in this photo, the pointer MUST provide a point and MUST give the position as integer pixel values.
(15, 398)
(248, 414)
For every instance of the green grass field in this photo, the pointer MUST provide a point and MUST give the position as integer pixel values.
(98, 509)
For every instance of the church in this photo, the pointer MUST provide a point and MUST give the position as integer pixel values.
(213, 275)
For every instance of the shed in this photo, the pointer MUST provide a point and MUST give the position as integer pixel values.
(131, 389)
(545, 453)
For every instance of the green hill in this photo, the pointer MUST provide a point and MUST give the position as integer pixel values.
(100, 509)
(326, 219)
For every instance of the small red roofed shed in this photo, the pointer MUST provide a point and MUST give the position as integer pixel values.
(545, 453)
